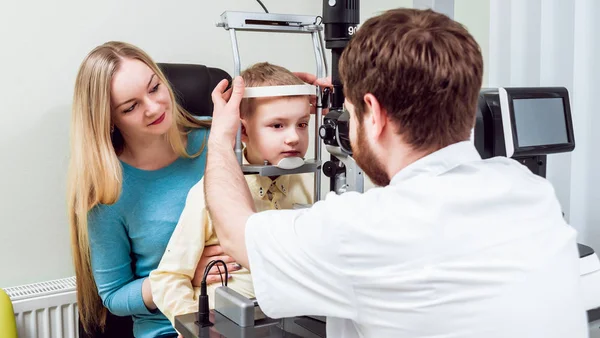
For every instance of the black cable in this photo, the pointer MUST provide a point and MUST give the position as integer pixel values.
(210, 265)
(203, 308)
(221, 275)
(320, 22)
(263, 6)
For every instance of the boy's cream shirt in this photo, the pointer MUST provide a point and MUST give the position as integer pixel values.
(171, 282)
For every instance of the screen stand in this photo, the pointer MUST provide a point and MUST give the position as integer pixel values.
(537, 164)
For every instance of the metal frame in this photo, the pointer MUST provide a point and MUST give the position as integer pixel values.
(280, 23)
(353, 178)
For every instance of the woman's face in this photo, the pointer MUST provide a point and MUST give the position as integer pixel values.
(140, 104)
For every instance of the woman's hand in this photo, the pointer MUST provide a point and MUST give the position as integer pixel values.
(313, 80)
(211, 253)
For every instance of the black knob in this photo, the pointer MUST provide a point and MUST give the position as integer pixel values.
(325, 97)
(329, 169)
(327, 131)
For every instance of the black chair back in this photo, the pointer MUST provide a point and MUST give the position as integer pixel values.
(193, 85)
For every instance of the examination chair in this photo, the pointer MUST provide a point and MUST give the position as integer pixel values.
(192, 85)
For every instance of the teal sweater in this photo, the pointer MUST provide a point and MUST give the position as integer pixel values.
(128, 238)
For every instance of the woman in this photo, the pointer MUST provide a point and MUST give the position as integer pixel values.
(135, 153)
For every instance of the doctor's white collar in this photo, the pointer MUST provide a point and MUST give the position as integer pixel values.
(439, 161)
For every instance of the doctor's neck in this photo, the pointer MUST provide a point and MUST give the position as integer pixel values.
(399, 155)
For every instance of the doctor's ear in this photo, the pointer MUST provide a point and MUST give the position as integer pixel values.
(375, 115)
(244, 132)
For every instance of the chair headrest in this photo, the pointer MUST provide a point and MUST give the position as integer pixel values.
(193, 85)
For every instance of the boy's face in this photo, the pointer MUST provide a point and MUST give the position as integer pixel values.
(278, 128)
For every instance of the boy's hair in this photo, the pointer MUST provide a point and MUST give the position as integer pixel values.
(265, 74)
(424, 68)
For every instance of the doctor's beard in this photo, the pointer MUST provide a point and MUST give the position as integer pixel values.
(367, 161)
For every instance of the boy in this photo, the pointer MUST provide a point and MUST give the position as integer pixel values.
(272, 128)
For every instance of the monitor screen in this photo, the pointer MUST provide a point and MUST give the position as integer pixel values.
(535, 121)
(540, 121)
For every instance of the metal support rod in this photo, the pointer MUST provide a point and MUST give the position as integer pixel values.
(322, 49)
(236, 72)
(320, 60)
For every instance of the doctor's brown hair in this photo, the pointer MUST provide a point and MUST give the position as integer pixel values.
(424, 69)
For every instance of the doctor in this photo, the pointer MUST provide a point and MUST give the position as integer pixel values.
(450, 245)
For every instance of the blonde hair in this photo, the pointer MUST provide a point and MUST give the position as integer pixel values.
(95, 174)
(265, 74)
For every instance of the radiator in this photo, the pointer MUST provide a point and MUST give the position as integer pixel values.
(46, 309)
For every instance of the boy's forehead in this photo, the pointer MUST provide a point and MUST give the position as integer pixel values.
(285, 106)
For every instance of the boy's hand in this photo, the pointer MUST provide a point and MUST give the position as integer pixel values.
(211, 253)
(226, 112)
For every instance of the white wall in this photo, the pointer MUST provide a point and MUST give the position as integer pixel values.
(475, 16)
(585, 180)
(43, 44)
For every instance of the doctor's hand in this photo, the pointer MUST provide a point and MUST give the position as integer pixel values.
(211, 253)
(226, 111)
(313, 80)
